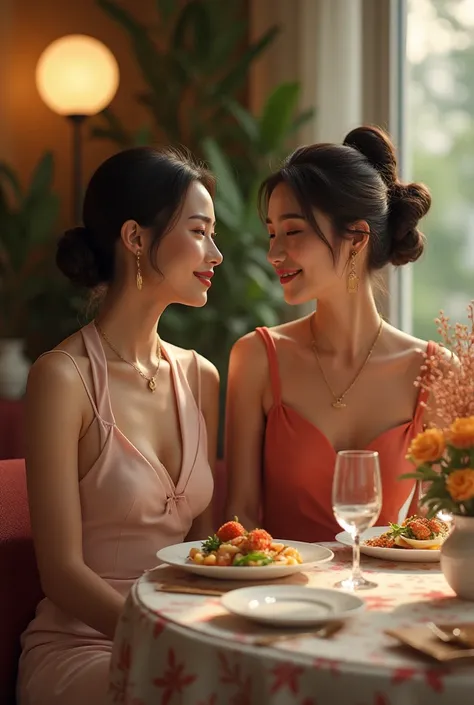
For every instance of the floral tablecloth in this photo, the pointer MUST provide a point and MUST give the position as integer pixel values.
(174, 649)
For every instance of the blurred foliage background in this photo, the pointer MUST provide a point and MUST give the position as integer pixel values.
(441, 151)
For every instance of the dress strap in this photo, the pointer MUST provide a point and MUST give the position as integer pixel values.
(88, 391)
(424, 394)
(98, 362)
(272, 363)
(198, 373)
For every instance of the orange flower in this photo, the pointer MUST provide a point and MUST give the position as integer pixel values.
(461, 433)
(427, 446)
(460, 484)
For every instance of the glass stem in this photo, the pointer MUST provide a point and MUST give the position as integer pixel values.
(356, 557)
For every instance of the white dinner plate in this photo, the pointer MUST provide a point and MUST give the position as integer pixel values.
(410, 555)
(291, 606)
(311, 554)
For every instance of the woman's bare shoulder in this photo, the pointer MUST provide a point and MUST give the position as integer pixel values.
(54, 367)
(292, 331)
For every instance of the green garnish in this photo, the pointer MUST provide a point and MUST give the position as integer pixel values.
(399, 530)
(212, 543)
(256, 557)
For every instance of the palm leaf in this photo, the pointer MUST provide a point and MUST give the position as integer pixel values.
(238, 74)
(277, 117)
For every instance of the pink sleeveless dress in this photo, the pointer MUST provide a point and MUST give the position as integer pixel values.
(299, 464)
(129, 511)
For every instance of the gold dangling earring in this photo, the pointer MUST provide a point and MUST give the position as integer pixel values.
(352, 279)
(139, 274)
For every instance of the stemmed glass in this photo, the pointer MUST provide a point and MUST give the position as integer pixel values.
(356, 503)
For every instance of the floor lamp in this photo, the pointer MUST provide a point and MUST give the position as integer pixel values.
(77, 76)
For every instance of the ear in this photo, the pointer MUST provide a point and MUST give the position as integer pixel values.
(359, 233)
(131, 236)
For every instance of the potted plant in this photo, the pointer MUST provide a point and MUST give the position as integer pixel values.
(27, 218)
(444, 454)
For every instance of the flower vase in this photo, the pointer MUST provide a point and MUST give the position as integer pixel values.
(457, 557)
(14, 367)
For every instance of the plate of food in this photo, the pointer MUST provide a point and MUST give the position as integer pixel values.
(233, 553)
(291, 605)
(417, 540)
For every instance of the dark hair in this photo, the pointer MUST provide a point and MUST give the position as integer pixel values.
(357, 181)
(141, 184)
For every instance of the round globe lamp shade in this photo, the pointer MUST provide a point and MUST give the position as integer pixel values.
(77, 75)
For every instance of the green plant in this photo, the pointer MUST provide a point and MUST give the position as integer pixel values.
(195, 61)
(27, 219)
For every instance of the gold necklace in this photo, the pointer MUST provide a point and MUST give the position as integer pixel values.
(338, 402)
(151, 380)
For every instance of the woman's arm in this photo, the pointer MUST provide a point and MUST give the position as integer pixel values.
(245, 429)
(54, 410)
(203, 525)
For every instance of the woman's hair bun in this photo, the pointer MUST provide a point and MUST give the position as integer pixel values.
(407, 203)
(377, 148)
(79, 260)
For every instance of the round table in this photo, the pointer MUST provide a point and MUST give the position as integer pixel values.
(179, 649)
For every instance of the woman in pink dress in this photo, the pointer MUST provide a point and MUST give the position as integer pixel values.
(340, 377)
(122, 426)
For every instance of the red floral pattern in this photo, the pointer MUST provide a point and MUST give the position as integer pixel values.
(327, 664)
(174, 680)
(402, 675)
(286, 675)
(233, 676)
(434, 678)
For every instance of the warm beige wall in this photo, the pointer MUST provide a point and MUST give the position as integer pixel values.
(27, 126)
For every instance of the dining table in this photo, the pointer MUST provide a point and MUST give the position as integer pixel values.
(174, 648)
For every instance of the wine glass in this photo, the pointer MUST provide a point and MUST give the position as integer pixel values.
(356, 503)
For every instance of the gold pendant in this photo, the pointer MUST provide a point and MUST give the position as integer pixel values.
(152, 384)
(338, 404)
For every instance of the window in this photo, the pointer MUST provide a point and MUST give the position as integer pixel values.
(440, 152)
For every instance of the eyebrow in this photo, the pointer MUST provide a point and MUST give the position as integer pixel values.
(205, 218)
(287, 216)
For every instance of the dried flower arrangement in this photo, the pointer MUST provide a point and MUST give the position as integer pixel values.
(444, 453)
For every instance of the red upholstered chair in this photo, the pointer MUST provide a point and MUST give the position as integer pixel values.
(20, 589)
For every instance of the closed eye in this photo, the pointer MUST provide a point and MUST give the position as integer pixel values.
(202, 232)
(290, 232)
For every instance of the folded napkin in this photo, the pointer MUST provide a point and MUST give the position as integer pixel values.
(421, 638)
(174, 576)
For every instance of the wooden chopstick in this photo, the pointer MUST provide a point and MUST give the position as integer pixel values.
(189, 590)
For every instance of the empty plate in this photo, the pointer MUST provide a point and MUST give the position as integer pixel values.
(291, 606)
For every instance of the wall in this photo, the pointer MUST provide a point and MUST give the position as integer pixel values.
(27, 126)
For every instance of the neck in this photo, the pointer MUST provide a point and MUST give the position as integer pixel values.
(130, 322)
(345, 327)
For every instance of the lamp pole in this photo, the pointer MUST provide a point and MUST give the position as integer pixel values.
(77, 122)
(77, 76)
